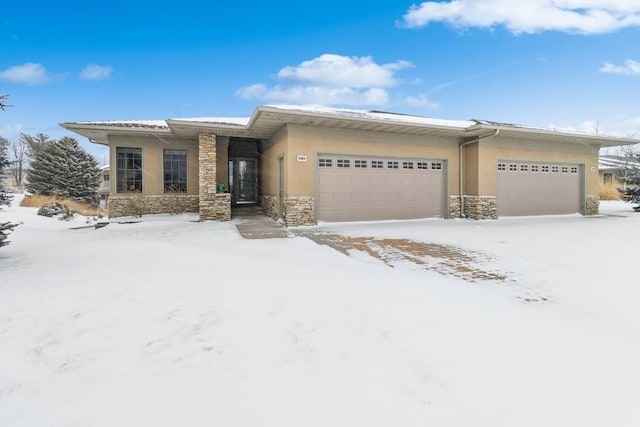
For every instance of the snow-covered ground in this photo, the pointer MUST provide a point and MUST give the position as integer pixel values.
(171, 322)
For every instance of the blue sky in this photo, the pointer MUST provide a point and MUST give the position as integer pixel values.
(551, 63)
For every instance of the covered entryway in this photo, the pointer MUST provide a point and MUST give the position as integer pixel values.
(356, 188)
(243, 164)
(528, 188)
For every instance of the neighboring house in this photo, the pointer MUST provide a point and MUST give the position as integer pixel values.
(613, 168)
(105, 184)
(316, 164)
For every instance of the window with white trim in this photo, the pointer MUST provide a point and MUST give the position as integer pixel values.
(524, 168)
(360, 164)
(555, 169)
(535, 168)
(423, 165)
(513, 167)
(436, 166)
(325, 163)
(564, 169)
(392, 164)
(407, 165)
(377, 164)
(574, 169)
(343, 163)
(502, 167)
(544, 168)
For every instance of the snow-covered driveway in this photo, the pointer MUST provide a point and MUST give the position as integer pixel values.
(172, 322)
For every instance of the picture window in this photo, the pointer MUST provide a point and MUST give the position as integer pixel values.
(175, 171)
(128, 170)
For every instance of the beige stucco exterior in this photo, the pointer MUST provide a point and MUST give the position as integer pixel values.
(287, 143)
(492, 150)
(309, 141)
(152, 163)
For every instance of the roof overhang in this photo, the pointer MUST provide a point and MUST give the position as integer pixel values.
(551, 135)
(99, 133)
(266, 121)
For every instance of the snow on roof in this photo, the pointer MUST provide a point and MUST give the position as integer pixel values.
(240, 121)
(617, 162)
(376, 114)
(148, 124)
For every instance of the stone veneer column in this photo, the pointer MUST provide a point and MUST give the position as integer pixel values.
(480, 207)
(592, 205)
(211, 204)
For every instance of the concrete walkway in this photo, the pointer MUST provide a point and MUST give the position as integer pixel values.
(255, 224)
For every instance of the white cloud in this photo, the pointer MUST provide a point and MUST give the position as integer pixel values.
(11, 131)
(529, 16)
(29, 73)
(630, 68)
(350, 71)
(320, 95)
(331, 79)
(96, 72)
(634, 121)
(420, 101)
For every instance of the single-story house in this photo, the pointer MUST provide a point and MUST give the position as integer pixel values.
(306, 165)
(613, 168)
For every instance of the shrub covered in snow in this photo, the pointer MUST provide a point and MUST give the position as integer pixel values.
(55, 209)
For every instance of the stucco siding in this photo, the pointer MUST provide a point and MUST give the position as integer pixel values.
(152, 161)
(308, 141)
(494, 149)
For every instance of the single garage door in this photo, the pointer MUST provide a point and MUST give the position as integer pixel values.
(528, 188)
(357, 188)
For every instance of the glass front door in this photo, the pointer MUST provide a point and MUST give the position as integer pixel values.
(243, 180)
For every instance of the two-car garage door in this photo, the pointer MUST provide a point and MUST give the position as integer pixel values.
(528, 188)
(352, 188)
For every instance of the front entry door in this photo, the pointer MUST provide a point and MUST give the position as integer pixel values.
(243, 180)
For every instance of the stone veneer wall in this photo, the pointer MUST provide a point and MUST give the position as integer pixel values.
(269, 205)
(212, 205)
(137, 205)
(480, 207)
(454, 206)
(299, 211)
(592, 205)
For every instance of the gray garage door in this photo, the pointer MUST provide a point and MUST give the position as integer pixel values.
(527, 188)
(353, 188)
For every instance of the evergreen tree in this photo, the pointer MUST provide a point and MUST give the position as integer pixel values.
(632, 176)
(62, 168)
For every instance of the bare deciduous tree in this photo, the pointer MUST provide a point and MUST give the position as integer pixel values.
(3, 101)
